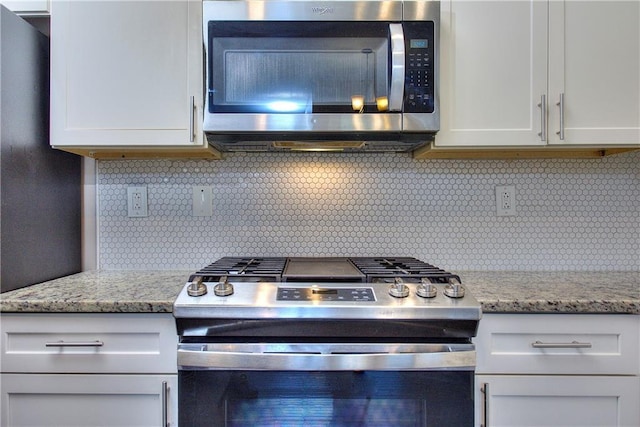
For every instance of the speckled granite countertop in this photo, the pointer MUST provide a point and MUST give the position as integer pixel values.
(100, 291)
(513, 292)
(555, 292)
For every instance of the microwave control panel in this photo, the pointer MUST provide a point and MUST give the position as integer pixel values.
(419, 67)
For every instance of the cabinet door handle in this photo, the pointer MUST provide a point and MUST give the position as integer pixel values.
(165, 406)
(61, 343)
(560, 104)
(543, 118)
(484, 388)
(572, 344)
(192, 118)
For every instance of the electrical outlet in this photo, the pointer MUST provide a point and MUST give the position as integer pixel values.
(137, 202)
(506, 200)
(202, 201)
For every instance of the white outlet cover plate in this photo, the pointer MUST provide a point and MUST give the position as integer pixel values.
(137, 205)
(202, 201)
(505, 200)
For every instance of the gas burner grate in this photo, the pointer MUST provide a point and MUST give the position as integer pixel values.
(375, 269)
(259, 268)
(380, 268)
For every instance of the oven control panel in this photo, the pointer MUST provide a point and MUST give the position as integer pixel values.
(325, 294)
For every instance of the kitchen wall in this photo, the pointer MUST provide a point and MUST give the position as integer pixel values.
(571, 214)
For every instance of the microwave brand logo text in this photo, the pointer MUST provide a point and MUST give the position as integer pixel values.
(322, 10)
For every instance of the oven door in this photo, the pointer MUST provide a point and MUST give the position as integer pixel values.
(326, 384)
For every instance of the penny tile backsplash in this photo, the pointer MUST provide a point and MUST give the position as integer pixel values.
(570, 214)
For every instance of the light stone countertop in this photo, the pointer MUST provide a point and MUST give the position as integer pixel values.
(497, 291)
(555, 292)
(100, 292)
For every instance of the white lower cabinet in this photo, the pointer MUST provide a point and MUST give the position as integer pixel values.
(556, 400)
(81, 369)
(558, 370)
(76, 400)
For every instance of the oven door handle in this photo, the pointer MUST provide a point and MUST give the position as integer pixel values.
(396, 89)
(189, 359)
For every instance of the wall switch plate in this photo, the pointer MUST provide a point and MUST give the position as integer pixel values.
(137, 202)
(202, 201)
(506, 200)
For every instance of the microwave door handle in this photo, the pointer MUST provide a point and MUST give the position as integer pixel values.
(396, 90)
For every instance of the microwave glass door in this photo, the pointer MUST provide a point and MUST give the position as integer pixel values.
(298, 67)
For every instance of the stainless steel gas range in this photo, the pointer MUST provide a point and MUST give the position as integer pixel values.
(325, 341)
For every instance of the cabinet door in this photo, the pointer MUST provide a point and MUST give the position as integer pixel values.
(88, 400)
(539, 401)
(126, 73)
(594, 63)
(27, 7)
(493, 72)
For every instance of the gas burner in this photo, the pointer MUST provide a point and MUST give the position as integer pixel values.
(411, 270)
(244, 269)
(326, 269)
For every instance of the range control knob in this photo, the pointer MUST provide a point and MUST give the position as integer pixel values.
(426, 289)
(196, 288)
(454, 289)
(223, 288)
(398, 289)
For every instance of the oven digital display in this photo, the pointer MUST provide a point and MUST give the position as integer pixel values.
(325, 294)
(324, 291)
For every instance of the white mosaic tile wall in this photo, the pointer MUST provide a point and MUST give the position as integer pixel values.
(571, 214)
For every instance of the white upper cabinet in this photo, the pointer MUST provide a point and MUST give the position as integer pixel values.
(493, 72)
(505, 64)
(27, 7)
(126, 75)
(594, 63)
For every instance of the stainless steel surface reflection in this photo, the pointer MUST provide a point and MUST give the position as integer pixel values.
(258, 301)
(326, 356)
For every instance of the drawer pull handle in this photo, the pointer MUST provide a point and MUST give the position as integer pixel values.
(572, 344)
(75, 344)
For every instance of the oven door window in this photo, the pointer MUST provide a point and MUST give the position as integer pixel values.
(331, 399)
(298, 67)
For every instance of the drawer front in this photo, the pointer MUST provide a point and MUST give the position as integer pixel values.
(558, 344)
(88, 343)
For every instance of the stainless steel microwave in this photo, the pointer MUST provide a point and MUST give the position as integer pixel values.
(322, 75)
